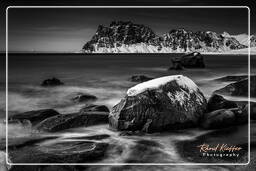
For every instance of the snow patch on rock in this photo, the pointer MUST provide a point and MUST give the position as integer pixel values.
(181, 80)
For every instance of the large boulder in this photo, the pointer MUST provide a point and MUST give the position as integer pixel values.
(223, 118)
(140, 78)
(239, 88)
(218, 102)
(34, 116)
(51, 82)
(67, 121)
(192, 60)
(166, 103)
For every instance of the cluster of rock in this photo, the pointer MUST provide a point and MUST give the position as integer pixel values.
(162, 104)
(175, 102)
(51, 121)
(120, 34)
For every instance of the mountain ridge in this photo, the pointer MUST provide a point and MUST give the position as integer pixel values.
(127, 37)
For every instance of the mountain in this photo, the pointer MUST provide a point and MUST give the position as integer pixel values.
(243, 39)
(127, 37)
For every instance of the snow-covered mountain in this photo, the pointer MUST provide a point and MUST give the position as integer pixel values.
(243, 39)
(127, 37)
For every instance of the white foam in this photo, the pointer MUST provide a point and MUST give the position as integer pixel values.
(181, 80)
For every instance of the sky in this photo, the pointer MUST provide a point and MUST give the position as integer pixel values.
(66, 29)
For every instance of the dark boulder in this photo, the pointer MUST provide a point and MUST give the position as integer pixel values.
(239, 88)
(162, 104)
(218, 102)
(34, 116)
(51, 82)
(94, 108)
(192, 60)
(67, 121)
(223, 118)
(176, 66)
(140, 78)
(252, 110)
(84, 98)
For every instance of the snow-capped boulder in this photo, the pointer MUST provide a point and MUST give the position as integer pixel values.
(162, 104)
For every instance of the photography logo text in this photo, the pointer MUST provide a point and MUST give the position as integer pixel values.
(219, 150)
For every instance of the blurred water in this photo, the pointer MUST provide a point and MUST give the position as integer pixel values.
(107, 77)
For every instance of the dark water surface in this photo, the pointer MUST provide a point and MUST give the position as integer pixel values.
(106, 76)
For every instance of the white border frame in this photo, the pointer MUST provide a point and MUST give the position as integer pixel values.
(122, 164)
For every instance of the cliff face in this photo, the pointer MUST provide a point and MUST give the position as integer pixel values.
(119, 33)
(128, 37)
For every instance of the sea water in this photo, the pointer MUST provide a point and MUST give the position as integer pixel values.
(106, 76)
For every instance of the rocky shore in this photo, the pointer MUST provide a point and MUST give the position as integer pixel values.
(155, 106)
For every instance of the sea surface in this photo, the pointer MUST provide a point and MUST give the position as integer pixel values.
(107, 77)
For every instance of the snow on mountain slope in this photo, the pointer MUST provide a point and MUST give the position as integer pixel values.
(242, 38)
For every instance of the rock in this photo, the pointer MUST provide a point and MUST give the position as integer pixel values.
(162, 104)
(60, 152)
(51, 82)
(67, 121)
(176, 66)
(94, 108)
(84, 98)
(218, 102)
(253, 110)
(223, 118)
(140, 78)
(239, 88)
(34, 116)
(192, 60)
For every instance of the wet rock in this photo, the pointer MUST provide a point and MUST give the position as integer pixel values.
(218, 102)
(166, 103)
(192, 60)
(60, 152)
(84, 98)
(131, 133)
(140, 78)
(34, 116)
(94, 108)
(252, 111)
(239, 88)
(223, 118)
(51, 82)
(67, 121)
(176, 66)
